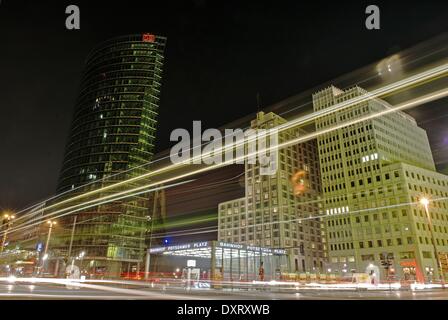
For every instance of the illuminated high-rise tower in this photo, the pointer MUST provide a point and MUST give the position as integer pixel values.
(113, 130)
(114, 122)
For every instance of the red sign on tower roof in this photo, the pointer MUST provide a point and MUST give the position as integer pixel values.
(147, 37)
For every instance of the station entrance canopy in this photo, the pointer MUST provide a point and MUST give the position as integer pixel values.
(223, 260)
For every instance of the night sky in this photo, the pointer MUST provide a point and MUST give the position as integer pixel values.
(219, 55)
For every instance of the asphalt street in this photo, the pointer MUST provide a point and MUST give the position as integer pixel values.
(27, 291)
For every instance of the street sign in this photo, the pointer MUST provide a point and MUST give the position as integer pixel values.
(191, 263)
(202, 285)
(39, 247)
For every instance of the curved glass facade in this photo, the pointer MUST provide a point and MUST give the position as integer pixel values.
(113, 130)
(114, 122)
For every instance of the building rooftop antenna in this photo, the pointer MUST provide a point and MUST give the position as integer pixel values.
(258, 102)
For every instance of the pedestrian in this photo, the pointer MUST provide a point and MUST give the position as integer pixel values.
(261, 271)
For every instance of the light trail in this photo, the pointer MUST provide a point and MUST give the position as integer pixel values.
(407, 52)
(209, 185)
(185, 222)
(181, 231)
(201, 187)
(111, 199)
(406, 105)
(376, 75)
(26, 226)
(86, 284)
(170, 288)
(404, 83)
(409, 104)
(193, 232)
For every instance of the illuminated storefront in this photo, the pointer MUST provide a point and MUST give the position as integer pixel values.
(221, 260)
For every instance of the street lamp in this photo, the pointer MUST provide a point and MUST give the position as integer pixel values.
(425, 203)
(8, 218)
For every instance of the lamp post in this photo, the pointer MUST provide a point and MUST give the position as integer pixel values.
(71, 237)
(8, 218)
(50, 228)
(425, 203)
(148, 255)
(51, 224)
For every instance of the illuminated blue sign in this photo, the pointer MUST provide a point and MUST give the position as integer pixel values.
(39, 247)
(220, 244)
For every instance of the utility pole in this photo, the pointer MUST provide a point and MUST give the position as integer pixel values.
(148, 255)
(258, 102)
(71, 237)
(51, 223)
(159, 213)
(45, 256)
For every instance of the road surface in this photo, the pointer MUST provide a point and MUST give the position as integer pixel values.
(21, 290)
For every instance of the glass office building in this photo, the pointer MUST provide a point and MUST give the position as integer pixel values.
(113, 130)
